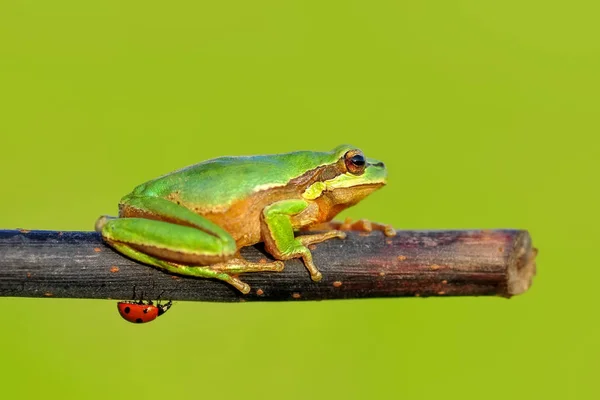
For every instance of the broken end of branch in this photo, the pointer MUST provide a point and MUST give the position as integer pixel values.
(521, 267)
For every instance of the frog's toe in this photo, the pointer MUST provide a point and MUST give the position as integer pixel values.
(389, 231)
(239, 285)
(317, 276)
(278, 266)
(245, 289)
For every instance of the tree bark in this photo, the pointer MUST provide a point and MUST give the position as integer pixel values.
(412, 263)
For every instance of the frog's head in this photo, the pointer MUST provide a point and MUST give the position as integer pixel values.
(356, 169)
(358, 176)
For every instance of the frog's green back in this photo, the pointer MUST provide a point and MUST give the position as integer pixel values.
(221, 181)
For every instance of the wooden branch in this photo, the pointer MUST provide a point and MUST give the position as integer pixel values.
(413, 263)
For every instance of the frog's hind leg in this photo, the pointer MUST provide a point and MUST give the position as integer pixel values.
(166, 235)
(196, 271)
(181, 250)
(220, 271)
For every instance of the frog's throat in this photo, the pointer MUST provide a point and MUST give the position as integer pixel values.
(352, 190)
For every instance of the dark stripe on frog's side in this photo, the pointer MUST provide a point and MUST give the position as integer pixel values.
(319, 174)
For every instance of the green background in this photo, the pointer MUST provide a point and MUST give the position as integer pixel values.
(486, 114)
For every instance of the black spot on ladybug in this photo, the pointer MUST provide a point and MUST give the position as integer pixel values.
(139, 320)
(146, 311)
(127, 310)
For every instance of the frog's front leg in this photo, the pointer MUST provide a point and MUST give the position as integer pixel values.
(158, 232)
(278, 234)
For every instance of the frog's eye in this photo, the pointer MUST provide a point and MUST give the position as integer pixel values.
(355, 162)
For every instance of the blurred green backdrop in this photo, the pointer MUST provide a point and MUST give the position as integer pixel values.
(486, 114)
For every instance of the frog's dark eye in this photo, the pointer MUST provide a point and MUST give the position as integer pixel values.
(355, 162)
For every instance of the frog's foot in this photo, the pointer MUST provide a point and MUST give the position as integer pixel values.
(241, 266)
(362, 225)
(221, 271)
(307, 240)
(224, 271)
(208, 272)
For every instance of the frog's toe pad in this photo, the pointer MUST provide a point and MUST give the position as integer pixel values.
(244, 288)
(316, 277)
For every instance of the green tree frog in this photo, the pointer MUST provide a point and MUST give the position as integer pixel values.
(193, 221)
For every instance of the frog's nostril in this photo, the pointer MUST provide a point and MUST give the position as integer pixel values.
(379, 164)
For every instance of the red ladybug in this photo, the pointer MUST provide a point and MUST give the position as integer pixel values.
(139, 312)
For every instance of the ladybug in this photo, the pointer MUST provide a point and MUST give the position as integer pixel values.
(139, 312)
